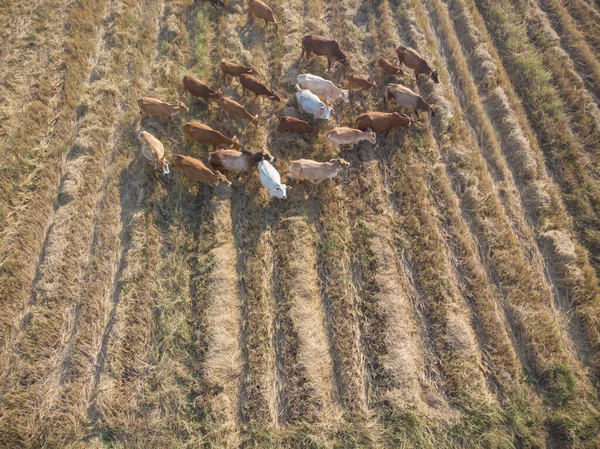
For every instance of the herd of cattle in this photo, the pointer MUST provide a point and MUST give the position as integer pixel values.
(309, 90)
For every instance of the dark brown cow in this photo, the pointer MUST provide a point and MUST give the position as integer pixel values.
(235, 109)
(388, 67)
(262, 11)
(296, 125)
(195, 170)
(382, 121)
(361, 82)
(413, 60)
(232, 160)
(250, 83)
(323, 47)
(205, 134)
(199, 89)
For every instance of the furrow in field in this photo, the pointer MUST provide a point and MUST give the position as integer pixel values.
(527, 297)
(536, 189)
(564, 155)
(588, 22)
(25, 239)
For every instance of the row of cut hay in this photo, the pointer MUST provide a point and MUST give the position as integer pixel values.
(581, 104)
(23, 239)
(564, 155)
(484, 132)
(588, 22)
(50, 331)
(547, 355)
(586, 61)
(567, 263)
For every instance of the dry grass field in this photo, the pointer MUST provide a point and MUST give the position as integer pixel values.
(443, 292)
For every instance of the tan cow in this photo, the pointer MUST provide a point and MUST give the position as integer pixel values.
(350, 136)
(361, 82)
(235, 109)
(198, 88)
(388, 67)
(287, 123)
(205, 134)
(262, 11)
(234, 70)
(382, 121)
(407, 99)
(154, 151)
(232, 160)
(158, 108)
(195, 170)
(413, 60)
(316, 172)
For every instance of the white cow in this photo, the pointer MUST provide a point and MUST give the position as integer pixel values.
(309, 102)
(322, 87)
(270, 179)
(350, 136)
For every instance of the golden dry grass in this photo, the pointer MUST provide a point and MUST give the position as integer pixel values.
(439, 293)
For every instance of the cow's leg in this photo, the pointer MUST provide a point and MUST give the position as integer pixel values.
(302, 55)
(328, 63)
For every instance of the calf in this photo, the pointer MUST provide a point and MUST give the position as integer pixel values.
(154, 151)
(350, 136)
(323, 47)
(321, 87)
(271, 180)
(215, 3)
(382, 121)
(388, 68)
(235, 109)
(195, 170)
(157, 108)
(205, 134)
(407, 99)
(232, 160)
(235, 70)
(296, 125)
(258, 88)
(309, 102)
(316, 172)
(413, 60)
(199, 89)
(361, 82)
(262, 11)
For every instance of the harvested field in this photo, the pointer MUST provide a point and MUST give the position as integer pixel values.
(441, 292)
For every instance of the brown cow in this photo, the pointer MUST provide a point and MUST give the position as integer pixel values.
(388, 67)
(258, 88)
(232, 160)
(323, 47)
(157, 108)
(199, 89)
(287, 123)
(205, 134)
(413, 60)
(235, 109)
(314, 171)
(382, 121)
(407, 99)
(361, 82)
(262, 11)
(195, 170)
(235, 70)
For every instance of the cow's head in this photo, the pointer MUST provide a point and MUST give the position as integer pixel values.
(141, 136)
(373, 85)
(274, 96)
(340, 163)
(434, 77)
(371, 136)
(235, 143)
(182, 106)
(324, 113)
(343, 58)
(344, 96)
(280, 191)
(164, 166)
(265, 155)
(221, 179)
